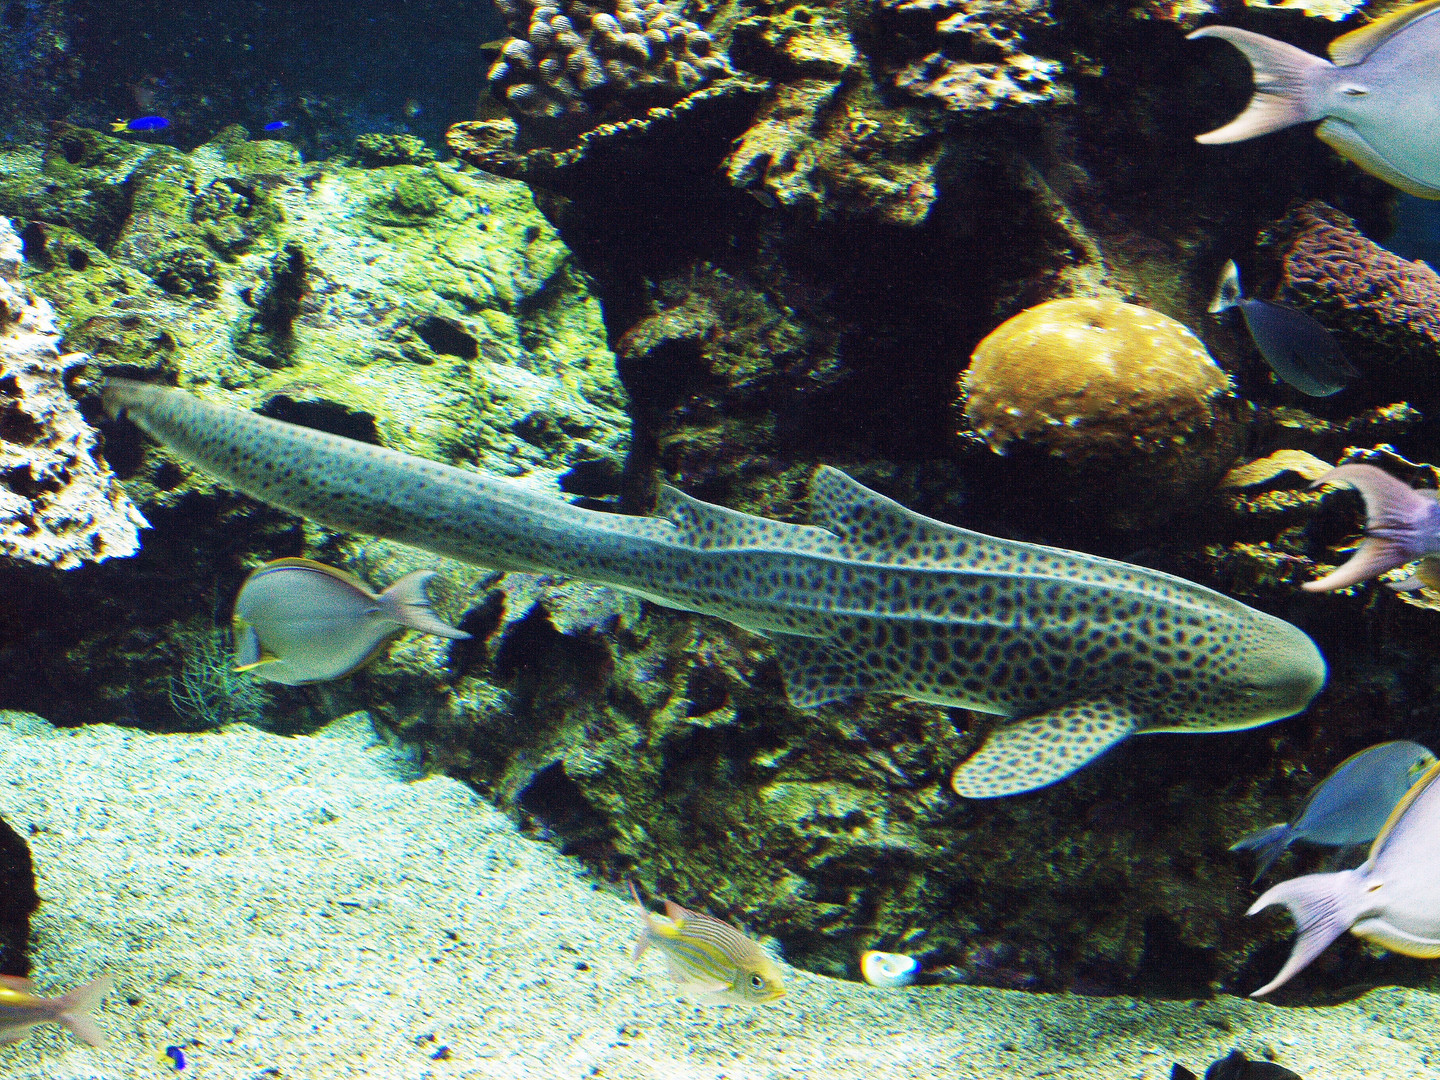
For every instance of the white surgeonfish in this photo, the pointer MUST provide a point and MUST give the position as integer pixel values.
(299, 621)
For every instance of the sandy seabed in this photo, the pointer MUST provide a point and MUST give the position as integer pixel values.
(310, 908)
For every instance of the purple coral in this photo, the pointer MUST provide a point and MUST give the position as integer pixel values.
(1327, 263)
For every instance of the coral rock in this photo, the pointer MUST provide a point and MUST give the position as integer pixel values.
(1086, 377)
(59, 505)
(1391, 305)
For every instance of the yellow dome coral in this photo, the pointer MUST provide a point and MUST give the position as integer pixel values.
(1089, 378)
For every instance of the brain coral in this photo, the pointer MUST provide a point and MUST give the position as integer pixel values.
(1388, 306)
(1090, 378)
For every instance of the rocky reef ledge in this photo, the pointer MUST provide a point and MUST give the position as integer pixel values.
(404, 921)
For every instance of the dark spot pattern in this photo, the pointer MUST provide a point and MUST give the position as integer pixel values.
(1076, 649)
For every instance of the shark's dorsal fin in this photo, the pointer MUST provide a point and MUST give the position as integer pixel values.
(1355, 46)
(1031, 753)
(867, 519)
(706, 526)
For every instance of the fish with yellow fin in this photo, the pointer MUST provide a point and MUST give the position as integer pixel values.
(1376, 102)
(708, 959)
(1392, 899)
(299, 621)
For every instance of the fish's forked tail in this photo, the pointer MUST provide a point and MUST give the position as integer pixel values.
(1324, 906)
(73, 1010)
(1401, 525)
(647, 923)
(408, 603)
(1268, 845)
(1285, 80)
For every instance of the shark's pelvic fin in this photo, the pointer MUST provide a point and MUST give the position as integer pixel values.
(818, 672)
(1037, 751)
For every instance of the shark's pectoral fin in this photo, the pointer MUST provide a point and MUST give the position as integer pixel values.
(817, 671)
(1038, 750)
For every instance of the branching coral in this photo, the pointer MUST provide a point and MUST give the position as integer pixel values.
(59, 505)
(578, 65)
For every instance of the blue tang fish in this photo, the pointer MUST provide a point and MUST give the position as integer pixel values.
(1349, 806)
(1391, 899)
(276, 125)
(1378, 103)
(1297, 348)
(299, 621)
(141, 123)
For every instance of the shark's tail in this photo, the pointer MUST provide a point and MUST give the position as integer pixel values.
(1324, 906)
(1268, 845)
(1285, 81)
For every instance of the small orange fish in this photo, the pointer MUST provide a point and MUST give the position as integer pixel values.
(21, 1009)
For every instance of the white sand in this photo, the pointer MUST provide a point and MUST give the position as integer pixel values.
(306, 909)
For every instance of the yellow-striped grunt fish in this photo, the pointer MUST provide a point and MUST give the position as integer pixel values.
(707, 958)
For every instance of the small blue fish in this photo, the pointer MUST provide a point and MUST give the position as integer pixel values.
(276, 125)
(1297, 348)
(176, 1055)
(1375, 102)
(1349, 806)
(141, 123)
(298, 621)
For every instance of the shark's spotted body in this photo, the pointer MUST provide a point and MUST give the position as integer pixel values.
(1078, 651)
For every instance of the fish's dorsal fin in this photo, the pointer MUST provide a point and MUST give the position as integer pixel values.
(1355, 46)
(1036, 751)
(707, 526)
(866, 519)
(319, 568)
(1227, 289)
(1416, 790)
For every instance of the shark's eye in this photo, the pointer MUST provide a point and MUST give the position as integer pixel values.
(1354, 91)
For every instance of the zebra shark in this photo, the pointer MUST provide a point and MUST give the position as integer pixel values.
(1073, 651)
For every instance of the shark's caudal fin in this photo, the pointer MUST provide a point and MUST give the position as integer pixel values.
(1285, 80)
(1401, 525)
(1324, 906)
(1268, 844)
(1039, 750)
(408, 603)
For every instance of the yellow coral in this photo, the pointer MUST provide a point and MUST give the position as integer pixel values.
(1086, 378)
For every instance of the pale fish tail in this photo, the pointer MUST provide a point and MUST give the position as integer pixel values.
(647, 924)
(1324, 906)
(1285, 85)
(408, 603)
(73, 1010)
(1268, 845)
(1401, 525)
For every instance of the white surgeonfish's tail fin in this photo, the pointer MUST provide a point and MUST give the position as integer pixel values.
(408, 603)
(1227, 289)
(73, 1010)
(1324, 906)
(1286, 80)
